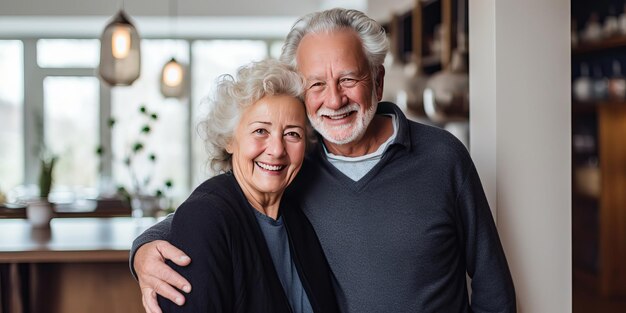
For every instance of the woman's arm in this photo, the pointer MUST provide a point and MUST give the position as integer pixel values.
(203, 231)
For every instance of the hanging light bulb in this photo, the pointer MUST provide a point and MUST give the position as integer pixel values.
(120, 41)
(173, 73)
(120, 56)
(172, 79)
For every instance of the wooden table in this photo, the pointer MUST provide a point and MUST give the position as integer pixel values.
(91, 208)
(77, 265)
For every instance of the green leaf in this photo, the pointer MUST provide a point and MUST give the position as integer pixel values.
(111, 122)
(146, 129)
(152, 157)
(154, 116)
(169, 183)
(99, 150)
(137, 147)
(142, 109)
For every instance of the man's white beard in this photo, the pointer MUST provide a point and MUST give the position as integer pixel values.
(346, 133)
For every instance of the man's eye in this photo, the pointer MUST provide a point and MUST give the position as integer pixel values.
(348, 81)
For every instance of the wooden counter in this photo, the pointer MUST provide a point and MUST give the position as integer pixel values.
(77, 265)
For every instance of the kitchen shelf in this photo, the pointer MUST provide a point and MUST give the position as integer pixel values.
(601, 46)
(599, 248)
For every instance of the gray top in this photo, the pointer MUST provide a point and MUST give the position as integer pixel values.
(357, 167)
(278, 245)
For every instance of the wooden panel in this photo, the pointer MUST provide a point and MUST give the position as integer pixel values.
(446, 41)
(64, 256)
(612, 129)
(76, 265)
(84, 287)
(417, 32)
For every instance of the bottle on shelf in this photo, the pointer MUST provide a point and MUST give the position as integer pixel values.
(617, 83)
(593, 29)
(611, 24)
(599, 84)
(622, 22)
(582, 85)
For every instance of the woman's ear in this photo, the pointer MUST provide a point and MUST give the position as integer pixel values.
(229, 147)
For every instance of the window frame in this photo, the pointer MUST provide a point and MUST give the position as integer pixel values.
(33, 106)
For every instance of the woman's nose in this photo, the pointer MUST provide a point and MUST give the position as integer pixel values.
(276, 146)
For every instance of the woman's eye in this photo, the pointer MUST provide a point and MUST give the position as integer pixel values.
(316, 85)
(260, 131)
(293, 135)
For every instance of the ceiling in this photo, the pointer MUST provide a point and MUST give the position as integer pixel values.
(193, 18)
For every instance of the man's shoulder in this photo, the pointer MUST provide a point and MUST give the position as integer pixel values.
(435, 141)
(422, 138)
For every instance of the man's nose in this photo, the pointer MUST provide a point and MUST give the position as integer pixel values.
(335, 97)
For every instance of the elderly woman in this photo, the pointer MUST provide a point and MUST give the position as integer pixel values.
(252, 249)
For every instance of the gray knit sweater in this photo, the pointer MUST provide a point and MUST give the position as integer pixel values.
(403, 237)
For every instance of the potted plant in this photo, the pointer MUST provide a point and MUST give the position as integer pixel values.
(39, 211)
(142, 200)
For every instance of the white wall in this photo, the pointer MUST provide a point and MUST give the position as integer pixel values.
(520, 139)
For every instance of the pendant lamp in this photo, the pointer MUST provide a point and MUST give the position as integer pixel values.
(173, 73)
(120, 56)
(173, 79)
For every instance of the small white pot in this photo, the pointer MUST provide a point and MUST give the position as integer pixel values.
(39, 213)
(145, 205)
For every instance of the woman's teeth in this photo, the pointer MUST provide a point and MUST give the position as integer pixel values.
(270, 167)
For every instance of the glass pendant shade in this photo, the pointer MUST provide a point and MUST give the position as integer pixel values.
(446, 96)
(120, 55)
(173, 79)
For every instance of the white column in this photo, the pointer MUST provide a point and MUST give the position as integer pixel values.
(520, 139)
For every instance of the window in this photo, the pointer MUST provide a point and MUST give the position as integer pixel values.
(68, 53)
(68, 109)
(210, 60)
(276, 48)
(168, 136)
(11, 114)
(70, 124)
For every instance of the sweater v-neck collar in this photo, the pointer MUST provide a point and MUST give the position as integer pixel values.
(403, 139)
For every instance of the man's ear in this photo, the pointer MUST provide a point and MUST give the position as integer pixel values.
(380, 82)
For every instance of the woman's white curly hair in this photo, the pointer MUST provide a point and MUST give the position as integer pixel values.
(233, 95)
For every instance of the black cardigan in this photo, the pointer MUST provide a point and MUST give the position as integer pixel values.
(231, 269)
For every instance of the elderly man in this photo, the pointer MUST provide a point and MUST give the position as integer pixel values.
(398, 206)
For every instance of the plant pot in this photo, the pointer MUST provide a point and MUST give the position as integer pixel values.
(145, 205)
(39, 213)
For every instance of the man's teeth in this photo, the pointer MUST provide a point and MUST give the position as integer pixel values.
(338, 117)
(270, 167)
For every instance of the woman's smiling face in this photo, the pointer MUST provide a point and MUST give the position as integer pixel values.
(268, 145)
